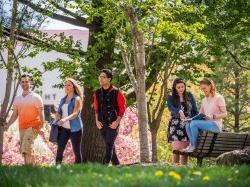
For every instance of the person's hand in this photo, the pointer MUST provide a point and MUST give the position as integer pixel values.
(99, 125)
(41, 126)
(61, 122)
(114, 125)
(209, 117)
(186, 119)
(182, 115)
(41, 130)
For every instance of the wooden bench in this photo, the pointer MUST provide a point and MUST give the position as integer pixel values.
(214, 144)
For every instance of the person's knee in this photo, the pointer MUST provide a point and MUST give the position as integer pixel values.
(193, 124)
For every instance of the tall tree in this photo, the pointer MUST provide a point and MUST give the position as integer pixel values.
(164, 42)
(233, 82)
(138, 79)
(20, 17)
(9, 66)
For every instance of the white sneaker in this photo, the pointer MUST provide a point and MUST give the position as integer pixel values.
(190, 149)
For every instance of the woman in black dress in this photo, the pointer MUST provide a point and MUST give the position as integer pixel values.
(182, 105)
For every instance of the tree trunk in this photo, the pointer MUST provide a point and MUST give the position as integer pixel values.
(237, 102)
(1, 141)
(154, 146)
(9, 78)
(154, 127)
(4, 107)
(141, 99)
(143, 123)
(139, 86)
(92, 144)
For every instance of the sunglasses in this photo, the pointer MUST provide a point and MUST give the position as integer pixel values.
(67, 85)
(24, 82)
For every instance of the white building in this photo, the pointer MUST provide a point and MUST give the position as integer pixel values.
(50, 95)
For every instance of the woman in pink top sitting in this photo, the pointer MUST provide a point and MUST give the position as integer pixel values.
(214, 108)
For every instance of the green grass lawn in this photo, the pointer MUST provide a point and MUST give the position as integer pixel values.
(97, 175)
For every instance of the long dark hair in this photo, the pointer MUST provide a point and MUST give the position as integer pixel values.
(176, 97)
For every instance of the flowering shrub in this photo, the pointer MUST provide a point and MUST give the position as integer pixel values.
(127, 142)
(44, 151)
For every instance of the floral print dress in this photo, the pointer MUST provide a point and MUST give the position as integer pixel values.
(176, 128)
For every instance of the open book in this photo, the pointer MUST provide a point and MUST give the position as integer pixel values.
(199, 116)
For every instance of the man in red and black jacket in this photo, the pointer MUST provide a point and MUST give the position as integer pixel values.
(109, 105)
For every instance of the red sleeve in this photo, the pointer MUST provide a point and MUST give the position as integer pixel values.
(121, 100)
(95, 104)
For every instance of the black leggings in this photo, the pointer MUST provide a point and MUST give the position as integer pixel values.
(76, 140)
(109, 135)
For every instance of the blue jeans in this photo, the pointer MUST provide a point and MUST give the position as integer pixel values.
(196, 125)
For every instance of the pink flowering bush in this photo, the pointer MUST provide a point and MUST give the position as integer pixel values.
(44, 151)
(127, 144)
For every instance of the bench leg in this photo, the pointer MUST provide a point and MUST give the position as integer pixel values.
(199, 161)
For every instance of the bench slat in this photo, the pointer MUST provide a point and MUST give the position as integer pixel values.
(207, 146)
(231, 135)
(220, 149)
(229, 144)
(223, 138)
(223, 134)
(208, 143)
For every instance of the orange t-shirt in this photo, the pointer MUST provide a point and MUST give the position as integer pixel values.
(28, 110)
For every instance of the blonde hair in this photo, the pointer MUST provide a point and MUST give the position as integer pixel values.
(77, 87)
(209, 82)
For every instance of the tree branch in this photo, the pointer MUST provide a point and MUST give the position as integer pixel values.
(17, 62)
(149, 101)
(77, 22)
(66, 11)
(22, 36)
(237, 60)
(127, 66)
(12, 99)
(4, 62)
(152, 45)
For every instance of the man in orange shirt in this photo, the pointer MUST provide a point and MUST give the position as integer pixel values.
(28, 107)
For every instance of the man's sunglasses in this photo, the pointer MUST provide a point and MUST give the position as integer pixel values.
(24, 81)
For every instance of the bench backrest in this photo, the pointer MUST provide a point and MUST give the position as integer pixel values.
(213, 144)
